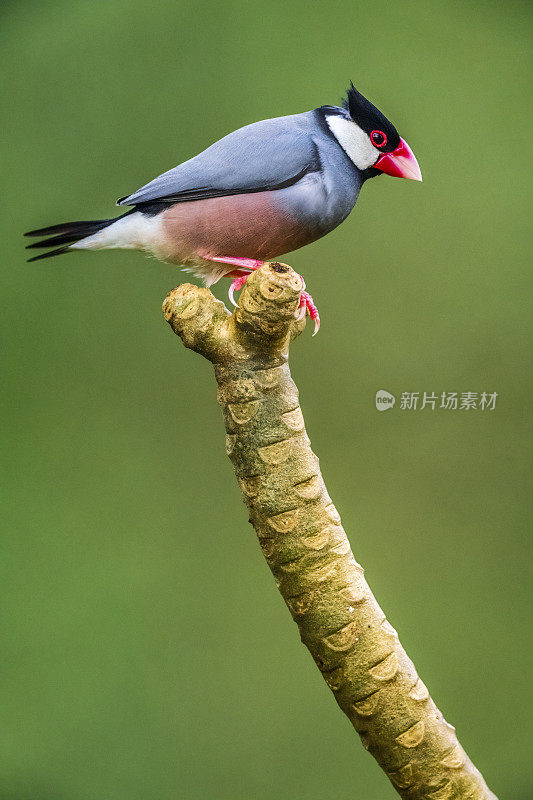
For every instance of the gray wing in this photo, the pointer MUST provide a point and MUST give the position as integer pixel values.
(266, 155)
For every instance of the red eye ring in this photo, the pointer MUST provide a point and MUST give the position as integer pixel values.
(380, 137)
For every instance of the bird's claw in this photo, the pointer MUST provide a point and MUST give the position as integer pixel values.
(236, 284)
(307, 306)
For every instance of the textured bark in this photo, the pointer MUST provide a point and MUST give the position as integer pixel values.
(300, 533)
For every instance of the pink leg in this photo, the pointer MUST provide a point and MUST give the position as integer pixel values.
(239, 275)
(247, 265)
(244, 263)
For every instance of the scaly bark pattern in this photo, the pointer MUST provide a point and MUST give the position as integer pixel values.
(300, 533)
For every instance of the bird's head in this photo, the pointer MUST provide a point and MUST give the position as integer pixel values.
(369, 139)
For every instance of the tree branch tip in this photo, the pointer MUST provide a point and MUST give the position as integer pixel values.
(266, 318)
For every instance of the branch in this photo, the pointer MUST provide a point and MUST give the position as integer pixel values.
(300, 533)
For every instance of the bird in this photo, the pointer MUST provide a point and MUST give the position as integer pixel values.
(262, 191)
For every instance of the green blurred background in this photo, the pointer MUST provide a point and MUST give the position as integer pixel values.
(147, 653)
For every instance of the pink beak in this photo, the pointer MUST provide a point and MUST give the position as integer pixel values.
(401, 163)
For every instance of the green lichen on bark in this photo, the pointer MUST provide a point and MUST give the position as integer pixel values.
(301, 536)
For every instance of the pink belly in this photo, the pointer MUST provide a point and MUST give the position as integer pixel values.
(245, 225)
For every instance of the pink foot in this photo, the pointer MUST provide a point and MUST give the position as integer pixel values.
(236, 284)
(307, 303)
(247, 265)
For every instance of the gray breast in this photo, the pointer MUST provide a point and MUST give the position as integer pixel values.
(323, 199)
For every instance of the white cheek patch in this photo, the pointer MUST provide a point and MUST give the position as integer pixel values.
(354, 141)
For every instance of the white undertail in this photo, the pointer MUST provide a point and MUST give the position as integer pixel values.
(135, 231)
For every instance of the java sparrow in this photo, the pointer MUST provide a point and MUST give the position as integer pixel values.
(259, 192)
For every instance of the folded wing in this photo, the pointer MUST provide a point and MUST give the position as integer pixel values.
(266, 155)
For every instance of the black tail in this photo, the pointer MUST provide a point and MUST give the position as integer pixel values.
(66, 234)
